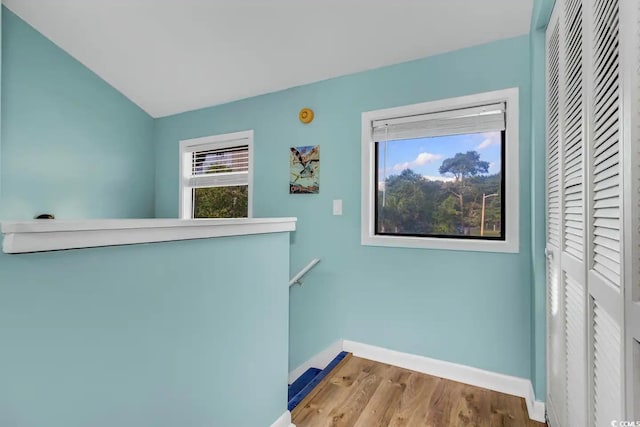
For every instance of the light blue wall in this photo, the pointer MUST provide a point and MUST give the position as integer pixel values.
(170, 334)
(157, 335)
(71, 144)
(469, 308)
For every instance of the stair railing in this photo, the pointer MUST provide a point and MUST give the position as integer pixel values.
(297, 279)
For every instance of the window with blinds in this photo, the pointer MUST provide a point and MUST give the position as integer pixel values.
(216, 176)
(438, 171)
(219, 167)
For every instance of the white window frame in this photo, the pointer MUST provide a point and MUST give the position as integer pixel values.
(511, 244)
(211, 142)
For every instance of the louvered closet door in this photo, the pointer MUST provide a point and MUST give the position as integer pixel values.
(605, 214)
(556, 366)
(573, 258)
(630, 60)
(593, 200)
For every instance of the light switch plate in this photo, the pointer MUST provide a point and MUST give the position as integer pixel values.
(337, 207)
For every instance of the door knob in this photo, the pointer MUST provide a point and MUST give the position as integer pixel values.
(548, 253)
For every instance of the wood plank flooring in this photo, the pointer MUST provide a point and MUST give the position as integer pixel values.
(363, 393)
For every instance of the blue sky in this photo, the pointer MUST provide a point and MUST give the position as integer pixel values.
(425, 155)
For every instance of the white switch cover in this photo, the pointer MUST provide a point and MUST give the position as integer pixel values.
(337, 207)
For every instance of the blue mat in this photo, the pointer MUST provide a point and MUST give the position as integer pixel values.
(311, 379)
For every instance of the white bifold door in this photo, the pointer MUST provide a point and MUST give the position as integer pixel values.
(630, 59)
(593, 187)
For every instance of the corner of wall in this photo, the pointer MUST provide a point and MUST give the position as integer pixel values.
(540, 18)
(154, 135)
(541, 13)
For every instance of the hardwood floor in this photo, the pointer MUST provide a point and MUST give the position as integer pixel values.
(363, 393)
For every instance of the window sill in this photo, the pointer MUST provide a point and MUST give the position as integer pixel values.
(52, 235)
(508, 246)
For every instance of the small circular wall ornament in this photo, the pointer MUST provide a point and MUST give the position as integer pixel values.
(306, 115)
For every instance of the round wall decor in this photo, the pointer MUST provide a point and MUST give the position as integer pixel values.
(306, 115)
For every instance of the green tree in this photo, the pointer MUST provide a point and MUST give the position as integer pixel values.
(491, 186)
(464, 165)
(446, 215)
(221, 202)
(411, 204)
(461, 167)
(407, 204)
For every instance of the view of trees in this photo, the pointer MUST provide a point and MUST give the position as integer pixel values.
(221, 202)
(412, 204)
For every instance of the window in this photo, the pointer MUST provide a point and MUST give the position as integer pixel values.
(443, 174)
(216, 176)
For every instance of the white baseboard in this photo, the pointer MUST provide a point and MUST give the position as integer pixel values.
(536, 408)
(283, 421)
(507, 384)
(320, 360)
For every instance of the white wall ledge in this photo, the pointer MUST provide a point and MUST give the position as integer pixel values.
(53, 235)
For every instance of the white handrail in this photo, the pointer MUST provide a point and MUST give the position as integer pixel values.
(297, 278)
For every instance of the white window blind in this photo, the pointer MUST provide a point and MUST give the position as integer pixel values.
(219, 167)
(484, 118)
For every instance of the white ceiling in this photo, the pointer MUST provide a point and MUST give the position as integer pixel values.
(170, 56)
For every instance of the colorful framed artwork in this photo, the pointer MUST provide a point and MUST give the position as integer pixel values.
(304, 170)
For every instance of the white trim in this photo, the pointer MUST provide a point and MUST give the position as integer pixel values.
(515, 386)
(206, 142)
(51, 235)
(320, 360)
(512, 171)
(629, 64)
(554, 353)
(552, 418)
(535, 408)
(283, 421)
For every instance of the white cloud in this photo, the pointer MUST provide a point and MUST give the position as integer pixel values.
(491, 138)
(421, 160)
(486, 144)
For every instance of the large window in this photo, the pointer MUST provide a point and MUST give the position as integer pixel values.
(443, 174)
(216, 176)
